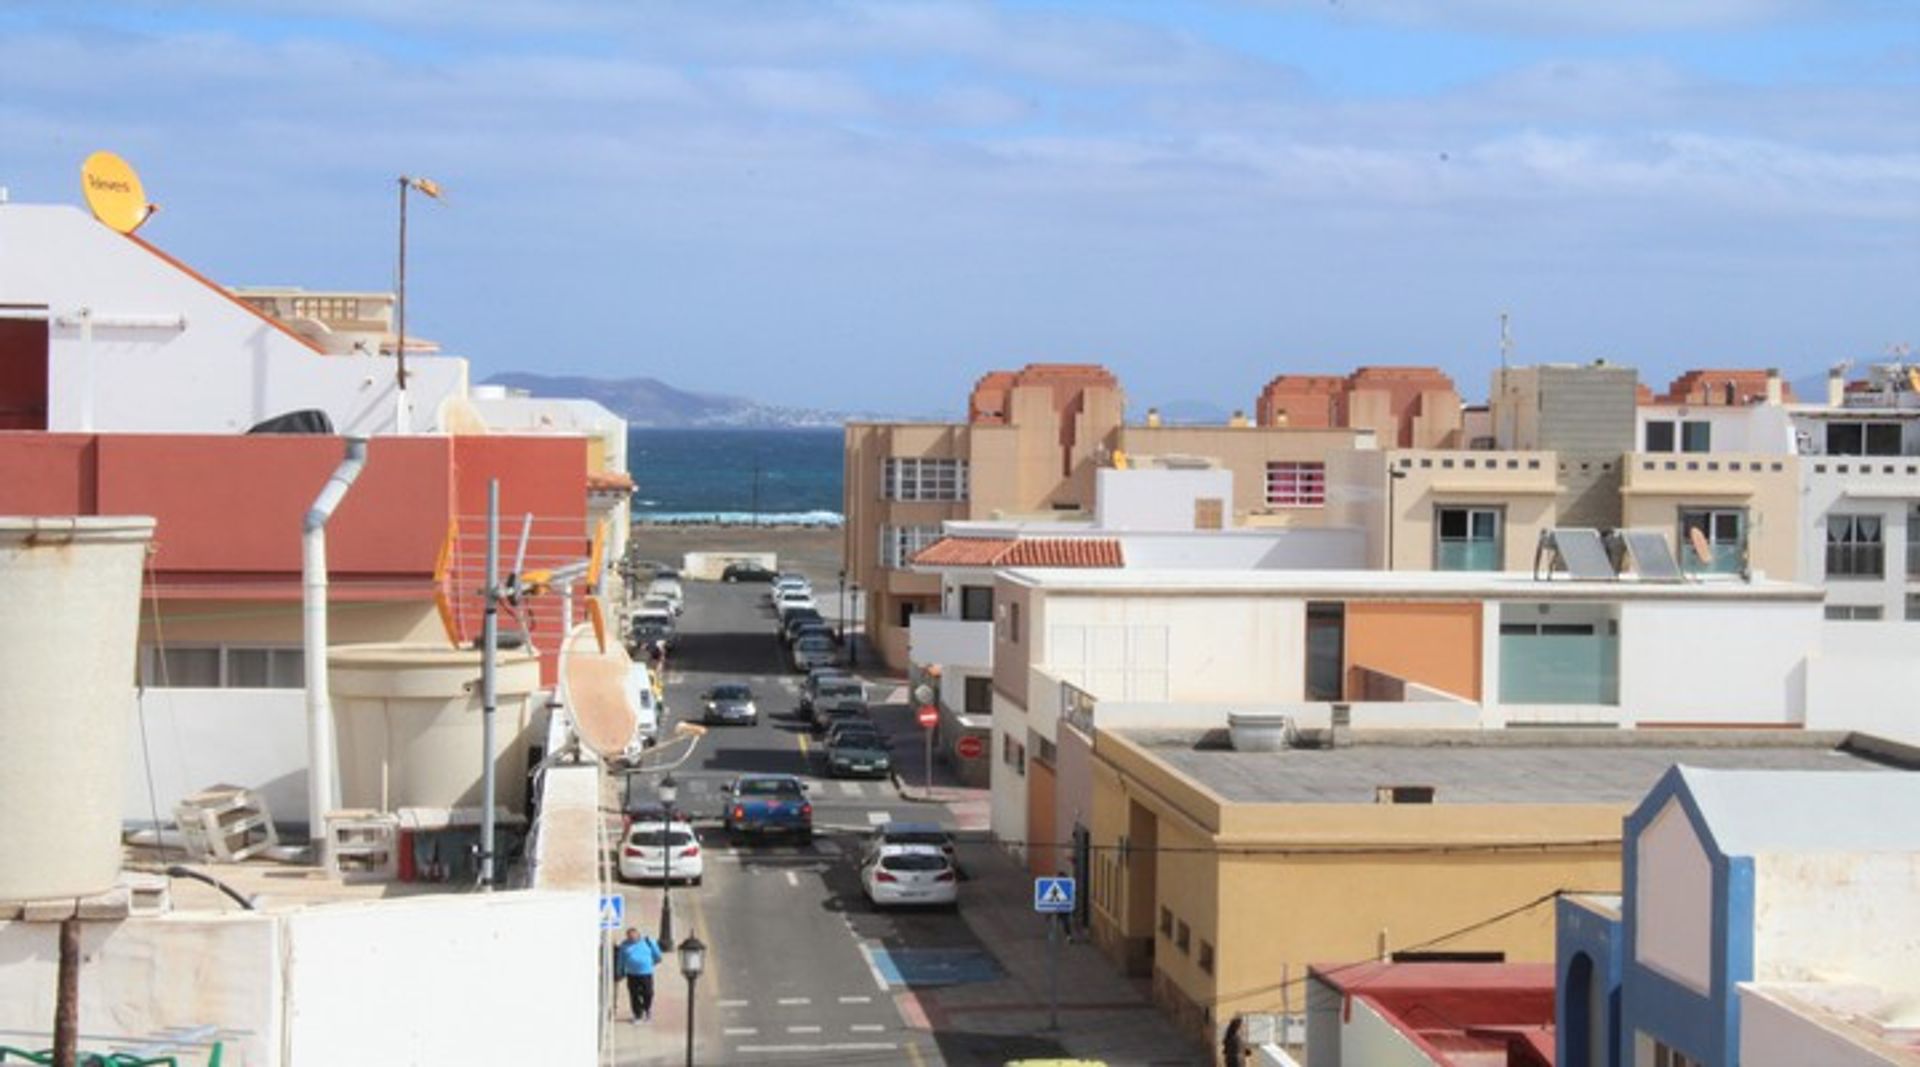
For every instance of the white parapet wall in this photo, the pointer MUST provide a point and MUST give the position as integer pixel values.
(376, 982)
(706, 566)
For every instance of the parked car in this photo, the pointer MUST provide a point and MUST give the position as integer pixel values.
(909, 874)
(857, 747)
(647, 625)
(668, 589)
(831, 696)
(787, 581)
(729, 702)
(815, 679)
(746, 572)
(768, 804)
(647, 706)
(914, 833)
(811, 627)
(794, 600)
(657, 603)
(814, 650)
(794, 621)
(642, 856)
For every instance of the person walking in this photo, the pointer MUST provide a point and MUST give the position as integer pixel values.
(634, 960)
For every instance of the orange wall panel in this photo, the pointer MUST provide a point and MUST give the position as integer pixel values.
(47, 474)
(1434, 644)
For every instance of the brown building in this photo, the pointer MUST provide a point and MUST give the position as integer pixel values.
(1406, 407)
(1726, 388)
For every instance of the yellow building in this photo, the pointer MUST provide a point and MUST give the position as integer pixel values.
(1223, 874)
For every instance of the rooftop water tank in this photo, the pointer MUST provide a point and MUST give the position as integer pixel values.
(408, 722)
(69, 627)
(1260, 731)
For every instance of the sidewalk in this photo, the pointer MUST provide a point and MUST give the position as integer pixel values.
(1103, 1014)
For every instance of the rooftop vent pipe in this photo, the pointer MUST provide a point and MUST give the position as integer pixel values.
(321, 775)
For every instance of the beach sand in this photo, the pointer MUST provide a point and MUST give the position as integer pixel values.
(812, 550)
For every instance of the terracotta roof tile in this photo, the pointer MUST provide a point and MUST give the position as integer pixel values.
(1024, 552)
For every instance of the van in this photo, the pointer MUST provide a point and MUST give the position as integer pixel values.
(648, 708)
(669, 590)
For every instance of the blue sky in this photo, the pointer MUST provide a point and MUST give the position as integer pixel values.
(867, 205)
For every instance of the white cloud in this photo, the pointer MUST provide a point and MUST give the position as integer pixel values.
(1578, 16)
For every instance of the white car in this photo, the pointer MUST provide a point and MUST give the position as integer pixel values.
(641, 855)
(794, 599)
(668, 589)
(788, 583)
(909, 874)
(647, 707)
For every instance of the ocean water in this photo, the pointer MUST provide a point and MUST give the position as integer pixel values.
(774, 476)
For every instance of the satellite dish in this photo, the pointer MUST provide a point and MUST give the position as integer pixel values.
(113, 192)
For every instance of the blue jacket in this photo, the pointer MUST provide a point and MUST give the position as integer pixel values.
(636, 957)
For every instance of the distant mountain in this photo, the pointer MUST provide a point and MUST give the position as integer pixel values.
(652, 403)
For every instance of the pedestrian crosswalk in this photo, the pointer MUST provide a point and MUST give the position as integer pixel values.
(820, 789)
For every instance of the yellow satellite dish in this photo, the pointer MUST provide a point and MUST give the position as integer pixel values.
(114, 192)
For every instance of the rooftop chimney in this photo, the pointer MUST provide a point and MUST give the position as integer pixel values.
(1836, 387)
(1239, 419)
(1153, 417)
(1776, 392)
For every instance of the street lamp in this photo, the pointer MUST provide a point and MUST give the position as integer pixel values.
(668, 791)
(693, 960)
(402, 412)
(843, 608)
(853, 642)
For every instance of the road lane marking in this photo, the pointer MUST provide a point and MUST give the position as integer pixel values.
(842, 1046)
(851, 789)
(879, 818)
(731, 1003)
(801, 739)
(792, 879)
(803, 1029)
(873, 967)
(856, 1000)
(741, 1031)
(867, 1028)
(789, 1002)
(913, 1055)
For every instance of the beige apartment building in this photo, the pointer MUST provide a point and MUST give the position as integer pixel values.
(1029, 450)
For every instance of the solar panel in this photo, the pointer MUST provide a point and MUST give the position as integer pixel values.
(1584, 554)
(1651, 560)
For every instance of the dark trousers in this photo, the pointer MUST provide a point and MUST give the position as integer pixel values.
(640, 994)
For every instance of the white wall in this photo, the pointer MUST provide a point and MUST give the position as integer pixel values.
(1152, 499)
(1820, 916)
(1773, 1034)
(225, 369)
(1180, 648)
(141, 977)
(1864, 678)
(255, 738)
(496, 978)
(1716, 662)
(1673, 899)
(1889, 496)
(1303, 548)
(1750, 428)
(1007, 788)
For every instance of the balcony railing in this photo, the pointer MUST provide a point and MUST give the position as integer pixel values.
(948, 642)
(1467, 556)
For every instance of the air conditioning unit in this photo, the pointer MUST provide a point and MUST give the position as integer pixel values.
(1261, 731)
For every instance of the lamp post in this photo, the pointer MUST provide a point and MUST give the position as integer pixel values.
(668, 791)
(853, 642)
(843, 608)
(402, 413)
(693, 960)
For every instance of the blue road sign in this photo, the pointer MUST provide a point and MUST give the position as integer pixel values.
(1052, 896)
(613, 911)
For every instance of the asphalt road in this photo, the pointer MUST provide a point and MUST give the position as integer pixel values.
(801, 969)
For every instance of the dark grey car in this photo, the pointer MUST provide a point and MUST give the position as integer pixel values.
(729, 702)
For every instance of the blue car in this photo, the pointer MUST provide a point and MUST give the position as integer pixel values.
(766, 804)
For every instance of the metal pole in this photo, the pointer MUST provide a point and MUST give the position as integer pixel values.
(489, 697)
(929, 732)
(690, 1003)
(66, 1011)
(1053, 972)
(400, 314)
(666, 880)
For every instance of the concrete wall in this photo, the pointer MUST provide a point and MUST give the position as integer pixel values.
(1350, 1032)
(1863, 679)
(1886, 486)
(1673, 901)
(1246, 451)
(1819, 916)
(1434, 644)
(1293, 548)
(1747, 428)
(1007, 781)
(1522, 485)
(1175, 648)
(1685, 663)
(1154, 499)
(403, 981)
(1774, 1033)
(1766, 487)
(221, 367)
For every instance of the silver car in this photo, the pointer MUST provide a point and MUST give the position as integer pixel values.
(814, 650)
(729, 702)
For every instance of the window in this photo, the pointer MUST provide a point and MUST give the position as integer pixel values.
(1913, 542)
(1013, 624)
(1013, 754)
(1854, 549)
(1206, 956)
(979, 695)
(899, 544)
(1696, 437)
(1863, 438)
(908, 609)
(222, 667)
(1183, 936)
(1665, 1055)
(1913, 607)
(1467, 539)
(1209, 513)
(1721, 531)
(976, 603)
(1166, 923)
(1296, 485)
(924, 479)
(1859, 612)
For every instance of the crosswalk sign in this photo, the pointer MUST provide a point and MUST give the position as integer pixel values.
(613, 911)
(1053, 896)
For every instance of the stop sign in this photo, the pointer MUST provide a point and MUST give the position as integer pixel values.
(929, 716)
(970, 747)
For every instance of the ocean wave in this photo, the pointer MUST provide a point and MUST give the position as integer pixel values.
(741, 518)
